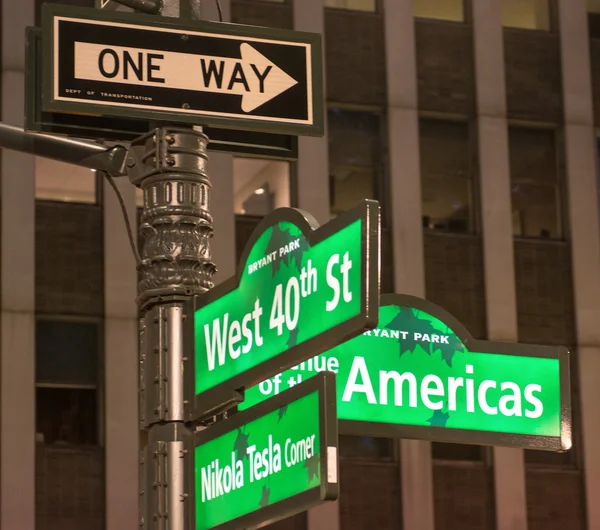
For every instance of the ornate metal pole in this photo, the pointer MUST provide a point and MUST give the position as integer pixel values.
(169, 165)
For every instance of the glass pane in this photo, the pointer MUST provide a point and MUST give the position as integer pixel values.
(56, 181)
(357, 5)
(527, 14)
(354, 138)
(535, 211)
(440, 9)
(444, 451)
(446, 204)
(66, 416)
(349, 186)
(66, 353)
(366, 447)
(446, 175)
(532, 155)
(260, 186)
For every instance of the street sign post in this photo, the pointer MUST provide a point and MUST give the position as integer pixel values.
(112, 64)
(299, 290)
(271, 462)
(420, 374)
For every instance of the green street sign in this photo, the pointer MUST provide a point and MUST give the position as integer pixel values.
(420, 374)
(273, 461)
(299, 290)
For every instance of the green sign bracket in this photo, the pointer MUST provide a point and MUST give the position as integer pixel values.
(299, 290)
(421, 375)
(267, 463)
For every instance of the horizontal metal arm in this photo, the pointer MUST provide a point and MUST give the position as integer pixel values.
(93, 156)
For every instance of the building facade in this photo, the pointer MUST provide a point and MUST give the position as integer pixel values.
(473, 122)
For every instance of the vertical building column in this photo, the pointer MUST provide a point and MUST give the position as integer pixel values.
(120, 362)
(220, 171)
(17, 353)
(313, 153)
(498, 246)
(585, 231)
(407, 229)
(312, 184)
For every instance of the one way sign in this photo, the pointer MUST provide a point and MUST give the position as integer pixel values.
(138, 66)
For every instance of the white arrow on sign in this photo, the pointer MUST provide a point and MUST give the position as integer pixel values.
(253, 76)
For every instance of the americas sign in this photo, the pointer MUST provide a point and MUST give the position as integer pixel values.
(420, 374)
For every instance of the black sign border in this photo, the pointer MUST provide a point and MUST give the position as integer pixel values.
(271, 125)
(561, 443)
(250, 144)
(324, 384)
(230, 392)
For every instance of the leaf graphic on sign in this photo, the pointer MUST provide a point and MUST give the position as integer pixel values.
(281, 413)
(279, 238)
(439, 419)
(264, 499)
(448, 350)
(293, 337)
(296, 255)
(312, 467)
(241, 444)
(407, 321)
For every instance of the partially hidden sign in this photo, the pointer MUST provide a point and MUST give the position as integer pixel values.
(113, 64)
(273, 461)
(420, 374)
(300, 289)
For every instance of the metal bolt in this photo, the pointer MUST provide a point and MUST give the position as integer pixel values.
(130, 162)
(184, 37)
(185, 106)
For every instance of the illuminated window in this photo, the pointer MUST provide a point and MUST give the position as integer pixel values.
(260, 185)
(535, 186)
(446, 176)
(526, 14)
(355, 5)
(440, 9)
(354, 157)
(67, 371)
(56, 181)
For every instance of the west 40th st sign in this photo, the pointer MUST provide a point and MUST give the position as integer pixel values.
(299, 290)
(125, 65)
(419, 374)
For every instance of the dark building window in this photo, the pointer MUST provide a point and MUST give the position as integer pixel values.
(464, 452)
(67, 374)
(535, 185)
(366, 447)
(453, 10)
(260, 185)
(594, 18)
(526, 14)
(355, 158)
(446, 176)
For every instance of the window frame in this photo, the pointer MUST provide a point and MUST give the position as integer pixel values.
(101, 374)
(474, 171)
(381, 184)
(560, 186)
